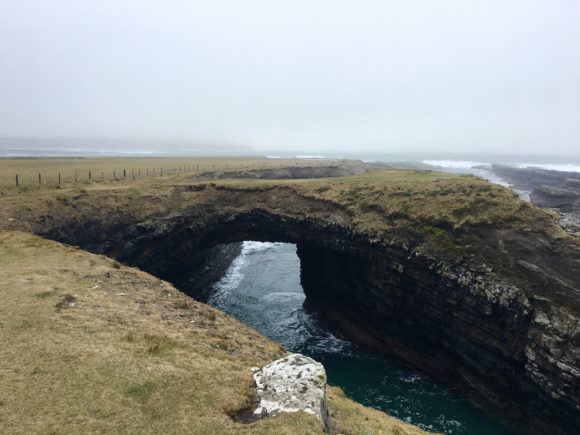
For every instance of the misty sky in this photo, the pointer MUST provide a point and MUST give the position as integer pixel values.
(316, 75)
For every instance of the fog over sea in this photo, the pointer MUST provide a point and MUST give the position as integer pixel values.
(456, 162)
(478, 164)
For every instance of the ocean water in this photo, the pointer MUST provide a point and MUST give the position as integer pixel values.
(469, 165)
(262, 289)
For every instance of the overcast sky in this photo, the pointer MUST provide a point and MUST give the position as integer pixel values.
(315, 75)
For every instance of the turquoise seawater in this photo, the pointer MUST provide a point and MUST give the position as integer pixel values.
(262, 289)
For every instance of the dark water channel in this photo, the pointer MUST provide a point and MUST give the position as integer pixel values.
(262, 289)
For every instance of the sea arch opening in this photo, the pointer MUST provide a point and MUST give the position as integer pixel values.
(262, 288)
(374, 293)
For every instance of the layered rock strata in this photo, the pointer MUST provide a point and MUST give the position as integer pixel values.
(495, 312)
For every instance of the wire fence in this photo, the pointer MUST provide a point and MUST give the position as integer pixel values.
(27, 177)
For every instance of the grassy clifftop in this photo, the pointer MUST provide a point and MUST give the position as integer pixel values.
(377, 201)
(383, 200)
(88, 345)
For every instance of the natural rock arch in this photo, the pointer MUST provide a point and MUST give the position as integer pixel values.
(457, 324)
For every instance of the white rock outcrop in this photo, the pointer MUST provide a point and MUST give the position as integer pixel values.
(291, 384)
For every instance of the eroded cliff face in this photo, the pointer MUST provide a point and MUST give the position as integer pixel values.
(515, 356)
(502, 325)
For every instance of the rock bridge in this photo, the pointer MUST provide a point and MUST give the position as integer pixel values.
(505, 346)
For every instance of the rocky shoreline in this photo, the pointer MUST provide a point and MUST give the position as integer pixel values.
(558, 190)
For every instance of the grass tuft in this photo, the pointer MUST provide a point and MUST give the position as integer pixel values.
(44, 294)
(141, 391)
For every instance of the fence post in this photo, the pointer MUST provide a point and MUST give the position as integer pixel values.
(76, 177)
(90, 176)
(16, 180)
(59, 178)
(124, 173)
(102, 175)
(39, 179)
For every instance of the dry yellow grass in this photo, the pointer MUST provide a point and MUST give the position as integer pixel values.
(123, 169)
(88, 345)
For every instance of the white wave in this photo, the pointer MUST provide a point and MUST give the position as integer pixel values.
(284, 296)
(234, 275)
(310, 157)
(232, 278)
(449, 424)
(411, 378)
(490, 176)
(331, 344)
(453, 164)
(274, 157)
(467, 164)
(249, 247)
(566, 167)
